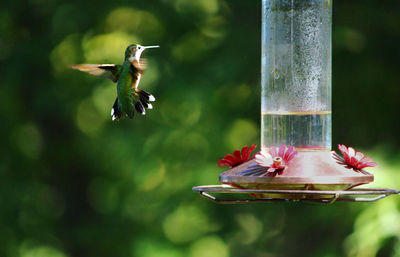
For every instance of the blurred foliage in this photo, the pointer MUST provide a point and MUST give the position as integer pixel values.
(74, 183)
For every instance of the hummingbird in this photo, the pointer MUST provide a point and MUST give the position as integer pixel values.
(127, 76)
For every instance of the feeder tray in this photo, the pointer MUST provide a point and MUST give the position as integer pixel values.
(308, 171)
(313, 196)
(313, 176)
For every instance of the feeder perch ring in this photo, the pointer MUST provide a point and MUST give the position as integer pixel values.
(315, 196)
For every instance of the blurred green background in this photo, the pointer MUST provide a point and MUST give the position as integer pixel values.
(74, 183)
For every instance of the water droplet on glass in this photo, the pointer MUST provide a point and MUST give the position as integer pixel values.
(276, 75)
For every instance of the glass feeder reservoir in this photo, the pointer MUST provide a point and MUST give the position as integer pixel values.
(296, 74)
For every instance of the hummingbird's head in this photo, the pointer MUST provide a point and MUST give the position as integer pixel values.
(133, 52)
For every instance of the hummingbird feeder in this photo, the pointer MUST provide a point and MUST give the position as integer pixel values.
(295, 162)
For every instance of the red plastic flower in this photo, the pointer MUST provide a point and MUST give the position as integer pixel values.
(238, 157)
(276, 159)
(352, 159)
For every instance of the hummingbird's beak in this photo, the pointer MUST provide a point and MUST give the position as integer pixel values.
(147, 47)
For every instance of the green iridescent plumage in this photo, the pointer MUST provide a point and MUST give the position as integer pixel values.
(127, 76)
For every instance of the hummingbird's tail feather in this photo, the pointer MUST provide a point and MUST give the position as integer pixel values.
(143, 100)
(115, 111)
(140, 108)
(145, 94)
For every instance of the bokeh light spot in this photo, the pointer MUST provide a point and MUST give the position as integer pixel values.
(42, 251)
(107, 47)
(251, 227)
(206, 174)
(243, 132)
(211, 246)
(350, 39)
(130, 20)
(66, 53)
(152, 248)
(104, 96)
(380, 221)
(186, 224)
(29, 140)
(152, 143)
(214, 27)
(150, 175)
(88, 118)
(193, 46)
(198, 7)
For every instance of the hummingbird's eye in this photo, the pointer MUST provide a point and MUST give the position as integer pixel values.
(139, 47)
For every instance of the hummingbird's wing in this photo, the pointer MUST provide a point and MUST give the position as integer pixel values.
(140, 66)
(111, 71)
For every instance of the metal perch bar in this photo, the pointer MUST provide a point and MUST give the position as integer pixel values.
(341, 196)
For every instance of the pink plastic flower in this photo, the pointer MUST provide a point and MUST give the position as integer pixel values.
(237, 157)
(352, 159)
(276, 159)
